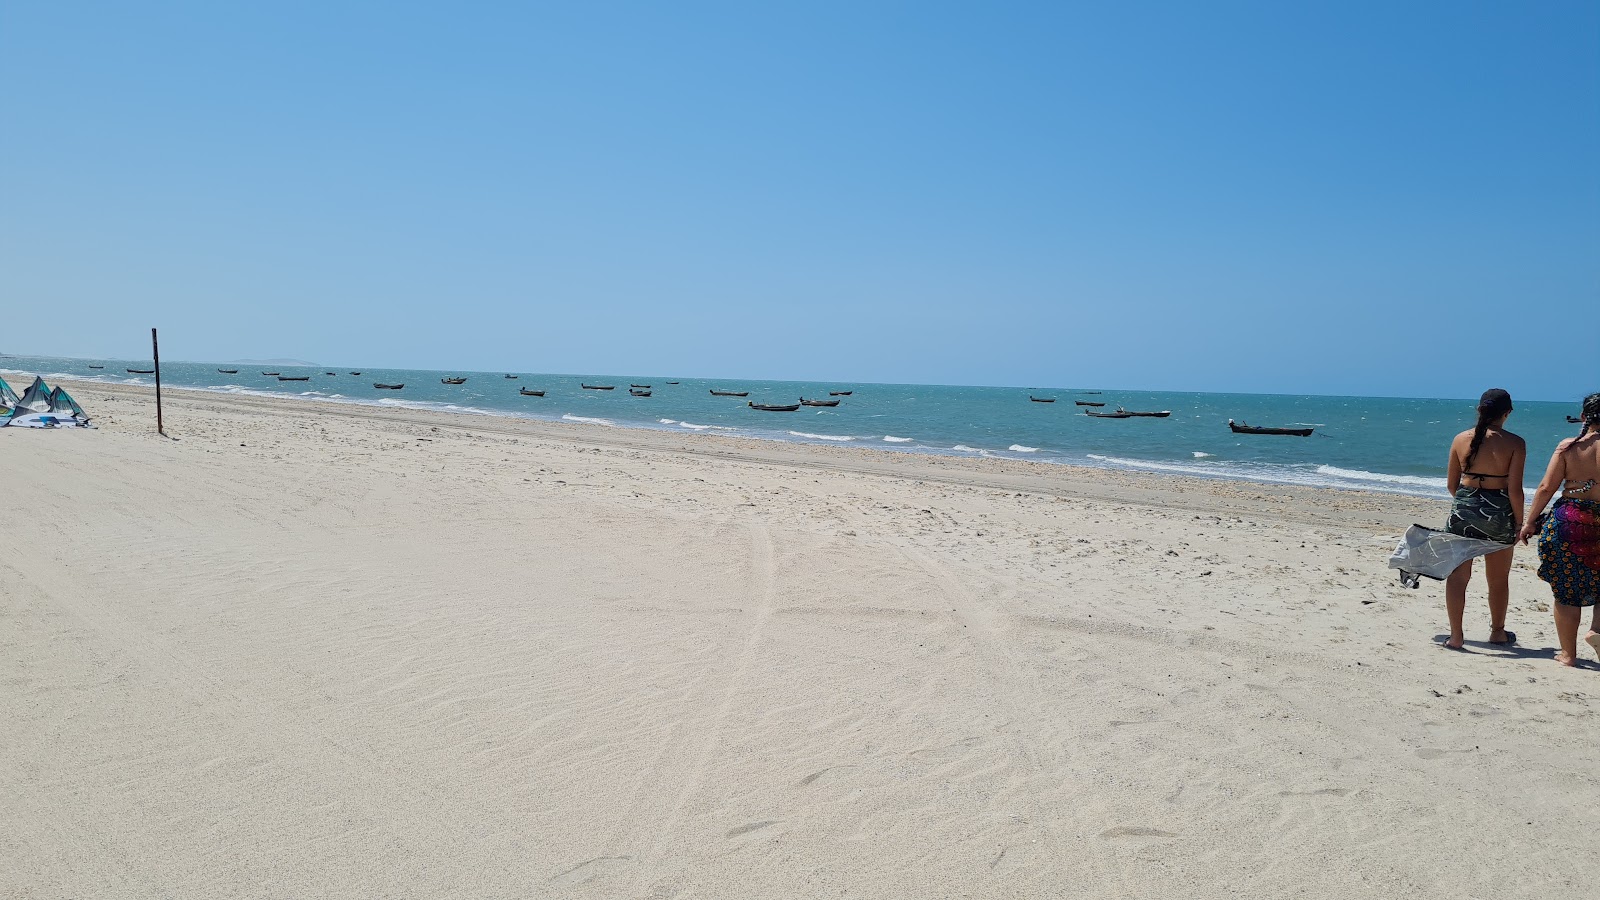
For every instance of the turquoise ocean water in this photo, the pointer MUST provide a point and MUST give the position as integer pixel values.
(1365, 443)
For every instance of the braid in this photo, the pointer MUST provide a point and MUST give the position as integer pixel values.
(1477, 438)
(1492, 405)
(1590, 415)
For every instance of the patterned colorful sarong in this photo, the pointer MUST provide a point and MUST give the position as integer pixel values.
(1569, 552)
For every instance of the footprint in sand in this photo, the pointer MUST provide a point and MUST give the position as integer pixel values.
(753, 826)
(1136, 831)
(818, 774)
(588, 871)
(1319, 792)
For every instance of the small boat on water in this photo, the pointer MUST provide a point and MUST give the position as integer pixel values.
(330, 373)
(805, 402)
(1570, 419)
(642, 387)
(452, 381)
(1241, 428)
(511, 376)
(840, 393)
(672, 382)
(635, 392)
(598, 387)
(1146, 415)
(1119, 414)
(141, 371)
(355, 373)
(1088, 403)
(527, 393)
(294, 377)
(229, 371)
(767, 407)
(270, 374)
(1090, 393)
(102, 367)
(730, 393)
(388, 387)
(1041, 399)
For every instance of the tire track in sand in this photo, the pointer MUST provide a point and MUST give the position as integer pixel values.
(1007, 674)
(763, 588)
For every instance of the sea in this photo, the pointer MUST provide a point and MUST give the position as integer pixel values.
(1388, 444)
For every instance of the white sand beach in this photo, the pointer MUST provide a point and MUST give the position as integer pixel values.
(323, 651)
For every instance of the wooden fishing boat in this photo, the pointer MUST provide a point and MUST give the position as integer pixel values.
(388, 387)
(1573, 420)
(294, 377)
(229, 371)
(1041, 399)
(642, 387)
(270, 374)
(330, 373)
(1091, 393)
(840, 393)
(452, 381)
(511, 376)
(598, 387)
(355, 373)
(141, 371)
(730, 393)
(1119, 414)
(672, 382)
(635, 392)
(527, 393)
(805, 402)
(767, 407)
(1241, 428)
(102, 367)
(1146, 415)
(1088, 403)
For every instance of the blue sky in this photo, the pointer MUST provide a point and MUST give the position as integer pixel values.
(1357, 198)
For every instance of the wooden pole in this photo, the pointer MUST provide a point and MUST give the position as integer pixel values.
(155, 353)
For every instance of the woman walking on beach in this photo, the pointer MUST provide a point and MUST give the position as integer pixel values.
(1569, 537)
(1486, 482)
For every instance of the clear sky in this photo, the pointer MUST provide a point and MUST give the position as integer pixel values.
(1342, 197)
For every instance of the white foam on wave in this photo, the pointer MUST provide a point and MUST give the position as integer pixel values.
(696, 427)
(1201, 454)
(668, 421)
(587, 419)
(823, 437)
(897, 440)
(965, 449)
(1309, 475)
(1381, 478)
(1018, 448)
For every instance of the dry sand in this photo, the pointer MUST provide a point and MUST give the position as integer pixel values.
(314, 651)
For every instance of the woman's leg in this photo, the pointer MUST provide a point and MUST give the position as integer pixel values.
(1594, 631)
(1455, 602)
(1567, 619)
(1497, 568)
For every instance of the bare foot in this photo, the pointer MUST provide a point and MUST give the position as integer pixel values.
(1453, 643)
(1566, 660)
(1593, 640)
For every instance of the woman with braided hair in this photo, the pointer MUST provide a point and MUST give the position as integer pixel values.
(1486, 483)
(1569, 536)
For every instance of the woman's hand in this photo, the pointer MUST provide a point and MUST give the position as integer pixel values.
(1528, 531)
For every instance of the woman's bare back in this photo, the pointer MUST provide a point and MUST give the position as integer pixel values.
(1494, 458)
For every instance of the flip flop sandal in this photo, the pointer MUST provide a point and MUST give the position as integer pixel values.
(1511, 638)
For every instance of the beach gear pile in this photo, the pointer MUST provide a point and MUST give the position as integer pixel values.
(40, 407)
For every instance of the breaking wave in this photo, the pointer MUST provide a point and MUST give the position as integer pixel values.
(823, 437)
